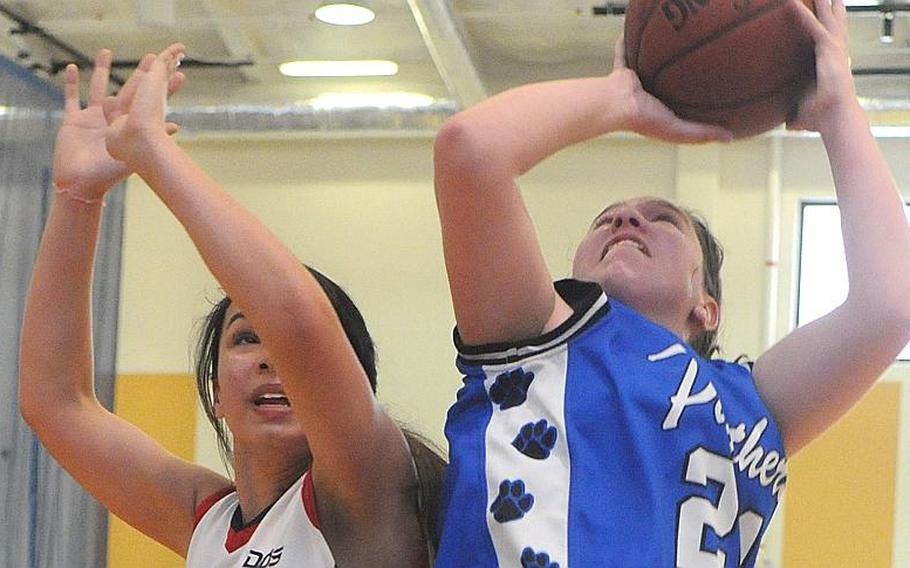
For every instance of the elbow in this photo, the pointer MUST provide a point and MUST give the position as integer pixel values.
(460, 155)
(894, 305)
(28, 402)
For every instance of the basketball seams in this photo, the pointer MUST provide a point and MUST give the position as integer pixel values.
(719, 33)
(645, 18)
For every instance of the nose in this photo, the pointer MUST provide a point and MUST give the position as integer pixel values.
(625, 215)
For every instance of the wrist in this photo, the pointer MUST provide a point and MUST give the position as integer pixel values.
(144, 148)
(618, 94)
(843, 119)
(80, 195)
(151, 155)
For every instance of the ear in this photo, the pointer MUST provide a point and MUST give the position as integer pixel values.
(706, 314)
(216, 400)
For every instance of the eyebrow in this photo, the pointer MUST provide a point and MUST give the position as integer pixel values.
(234, 318)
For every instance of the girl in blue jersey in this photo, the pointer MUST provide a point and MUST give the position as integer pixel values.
(592, 428)
(322, 476)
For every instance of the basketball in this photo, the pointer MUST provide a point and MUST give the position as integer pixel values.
(740, 64)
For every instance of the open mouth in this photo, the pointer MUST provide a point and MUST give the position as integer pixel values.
(272, 399)
(625, 242)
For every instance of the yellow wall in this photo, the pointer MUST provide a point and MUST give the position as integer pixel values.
(362, 210)
(164, 407)
(841, 489)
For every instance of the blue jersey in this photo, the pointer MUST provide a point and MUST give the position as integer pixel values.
(606, 442)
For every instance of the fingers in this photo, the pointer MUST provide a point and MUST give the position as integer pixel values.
(619, 52)
(839, 8)
(830, 14)
(171, 57)
(823, 12)
(100, 75)
(808, 21)
(695, 132)
(129, 88)
(171, 128)
(175, 83)
(112, 109)
(71, 89)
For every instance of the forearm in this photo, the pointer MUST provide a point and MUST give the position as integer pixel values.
(521, 127)
(56, 344)
(874, 225)
(249, 262)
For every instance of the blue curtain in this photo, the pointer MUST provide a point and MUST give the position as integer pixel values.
(46, 520)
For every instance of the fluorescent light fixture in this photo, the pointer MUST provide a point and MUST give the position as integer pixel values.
(891, 131)
(344, 14)
(363, 68)
(327, 101)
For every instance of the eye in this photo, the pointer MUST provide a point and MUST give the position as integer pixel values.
(666, 218)
(605, 220)
(245, 338)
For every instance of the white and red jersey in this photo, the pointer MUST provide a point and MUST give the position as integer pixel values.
(285, 534)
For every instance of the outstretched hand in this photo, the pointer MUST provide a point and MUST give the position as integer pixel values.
(646, 115)
(137, 118)
(82, 164)
(834, 89)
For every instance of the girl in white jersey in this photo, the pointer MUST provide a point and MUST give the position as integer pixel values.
(520, 339)
(322, 475)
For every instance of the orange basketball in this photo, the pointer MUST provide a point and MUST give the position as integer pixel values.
(741, 64)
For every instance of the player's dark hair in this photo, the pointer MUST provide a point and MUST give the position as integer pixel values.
(427, 458)
(705, 344)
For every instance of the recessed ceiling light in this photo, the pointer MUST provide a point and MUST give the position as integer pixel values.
(345, 14)
(363, 68)
(327, 101)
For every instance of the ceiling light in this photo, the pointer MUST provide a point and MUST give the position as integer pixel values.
(363, 68)
(327, 101)
(345, 14)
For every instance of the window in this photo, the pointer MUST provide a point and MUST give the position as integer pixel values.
(822, 271)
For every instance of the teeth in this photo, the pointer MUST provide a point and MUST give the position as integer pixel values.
(273, 398)
(627, 242)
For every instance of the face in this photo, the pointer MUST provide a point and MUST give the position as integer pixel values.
(248, 394)
(645, 253)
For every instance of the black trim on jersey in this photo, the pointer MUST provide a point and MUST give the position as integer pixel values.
(237, 524)
(589, 305)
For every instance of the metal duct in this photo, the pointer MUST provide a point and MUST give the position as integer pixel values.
(245, 119)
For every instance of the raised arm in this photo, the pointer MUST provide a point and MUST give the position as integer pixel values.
(361, 465)
(140, 482)
(501, 288)
(817, 372)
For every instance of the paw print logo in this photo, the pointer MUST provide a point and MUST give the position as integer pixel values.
(512, 502)
(531, 559)
(535, 440)
(511, 389)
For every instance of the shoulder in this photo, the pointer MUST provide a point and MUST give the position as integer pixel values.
(588, 305)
